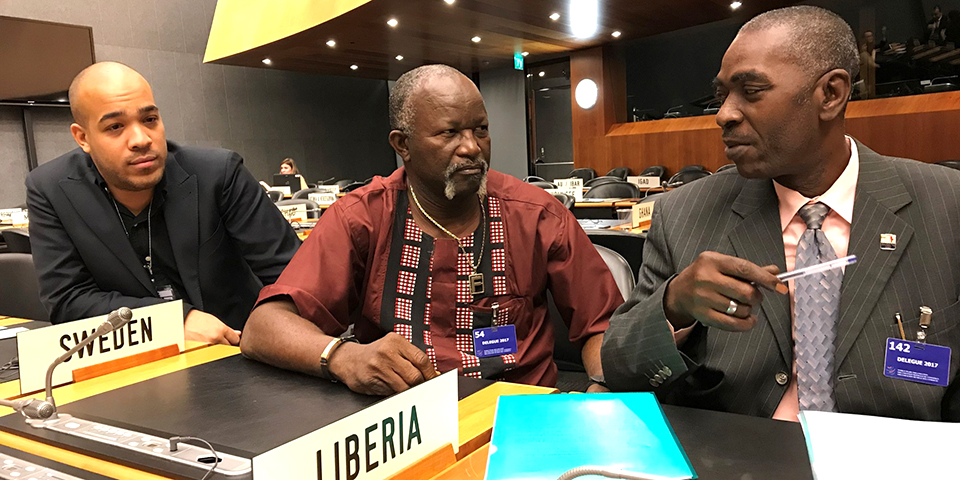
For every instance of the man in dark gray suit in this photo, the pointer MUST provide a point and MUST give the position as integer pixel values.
(709, 324)
(129, 219)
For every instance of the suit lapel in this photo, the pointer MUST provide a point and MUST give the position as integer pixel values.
(100, 215)
(182, 218)
(879, 195)
(758, 238)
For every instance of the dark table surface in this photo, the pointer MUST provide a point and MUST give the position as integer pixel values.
(8, 350)
(247, 408)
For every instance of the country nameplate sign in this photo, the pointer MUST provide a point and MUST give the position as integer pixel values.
(151, 328)
(323, 198)
(294, 213)
(645, 181)
(642, 214)
(575, 182)
(375, 442)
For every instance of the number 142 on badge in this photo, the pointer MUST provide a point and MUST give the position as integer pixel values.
(917, 362)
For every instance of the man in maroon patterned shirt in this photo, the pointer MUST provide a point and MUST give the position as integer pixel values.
(421, 261)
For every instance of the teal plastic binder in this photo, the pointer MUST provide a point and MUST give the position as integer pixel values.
(542, 436)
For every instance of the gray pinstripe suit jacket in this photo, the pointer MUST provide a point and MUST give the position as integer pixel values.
(738, 372)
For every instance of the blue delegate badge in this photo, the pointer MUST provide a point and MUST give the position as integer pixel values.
(917, 362)
(493, 341)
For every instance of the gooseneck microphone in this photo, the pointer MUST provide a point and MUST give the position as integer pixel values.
(47, 409)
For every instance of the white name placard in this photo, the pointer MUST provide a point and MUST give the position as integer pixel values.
(576, 193)
(642, 213)
(323, 198)
(152, 327)
(334, 189)
(294, 213)
(284, 190)
(6, 214)
(375, 442)
(645, 182)
(575, 182)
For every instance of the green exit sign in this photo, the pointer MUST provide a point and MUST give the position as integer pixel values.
(517, 61)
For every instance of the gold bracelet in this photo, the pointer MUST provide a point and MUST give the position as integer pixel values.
(328, 352)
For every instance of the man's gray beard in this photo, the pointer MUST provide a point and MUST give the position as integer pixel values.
(450, 190)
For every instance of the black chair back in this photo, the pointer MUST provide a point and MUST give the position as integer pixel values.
(655, 171)
(543, 184)
(275, 195)
(344, 182)
(353, 186)
(693, 168)
(566, 354)
(684, 177)
(20, 295)
(600, 181)
(628, 245)
(305, 193)
(534, 178)
(619, 172)
(584, 173)
(617, 189)
(955, 164)
(313, 210)
(726, 167)
(18, 241)
(566, 200)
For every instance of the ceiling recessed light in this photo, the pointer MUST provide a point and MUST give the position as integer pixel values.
(266, 61)
(616, 34)
(529, 75)
(449, 2)
(399, 57)
(392, 22)
(475, 39)
(554, 16)
(735, 5)
(584, 17)
(542, 73)
(353, 67)
(331, 43)
(544, 89)
(524, 53)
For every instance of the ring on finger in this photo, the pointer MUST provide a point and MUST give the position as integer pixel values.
(732, 308)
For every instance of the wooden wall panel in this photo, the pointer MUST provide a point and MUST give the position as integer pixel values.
(919, 127)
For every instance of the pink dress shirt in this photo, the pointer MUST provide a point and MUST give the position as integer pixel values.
(836, 226)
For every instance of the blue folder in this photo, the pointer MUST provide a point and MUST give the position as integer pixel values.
(542, 436)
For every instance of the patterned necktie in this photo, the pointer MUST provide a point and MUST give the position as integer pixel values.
(817, 301)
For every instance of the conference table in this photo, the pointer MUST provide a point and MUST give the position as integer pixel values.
(719, 445)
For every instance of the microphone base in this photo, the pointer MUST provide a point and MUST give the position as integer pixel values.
(159, 447)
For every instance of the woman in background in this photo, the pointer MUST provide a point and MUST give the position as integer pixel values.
(288, 167)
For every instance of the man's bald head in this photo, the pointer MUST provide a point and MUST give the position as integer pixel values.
(401, 109)
(97, 78)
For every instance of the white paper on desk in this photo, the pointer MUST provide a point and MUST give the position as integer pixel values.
(845, 446)
(6, 333)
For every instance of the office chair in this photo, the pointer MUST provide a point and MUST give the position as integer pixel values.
(585, 173)
(619, 172)
(571, 374)
(18, 240)
(305, 193)
(20, 295)
(593, 182)
(726, 167)
(618, 189)
(543, 184)
(275, 195)
(353, 186)
(954, 164)
(628, 245)
(655, 171)
(566, 200)
(313, 210)
(533, 178)
(694, 168)
(684, 177)
(344, 182)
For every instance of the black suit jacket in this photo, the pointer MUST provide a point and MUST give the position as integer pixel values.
(747, 372)
(227, 236)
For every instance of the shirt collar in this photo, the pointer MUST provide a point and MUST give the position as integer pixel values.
(839, 197)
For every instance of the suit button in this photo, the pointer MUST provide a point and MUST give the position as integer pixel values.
(782, 378)
(654, 382)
